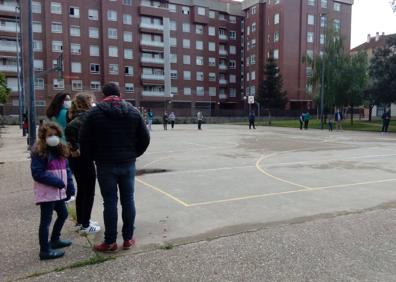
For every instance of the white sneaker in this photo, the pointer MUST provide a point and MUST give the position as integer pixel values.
(91, 229)
(92, 222)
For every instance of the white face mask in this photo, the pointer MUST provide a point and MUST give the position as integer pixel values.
(93, 105)
(52, 141)
(67, 104)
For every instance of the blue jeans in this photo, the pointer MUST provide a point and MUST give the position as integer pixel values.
(45, 221)
(112, 177)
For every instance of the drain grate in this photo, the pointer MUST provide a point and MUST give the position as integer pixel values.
(150, 171)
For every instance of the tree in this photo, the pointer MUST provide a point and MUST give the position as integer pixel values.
(382, 73)
(4, 90)
(270, 95)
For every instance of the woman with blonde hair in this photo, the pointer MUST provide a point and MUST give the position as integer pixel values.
(82, 167)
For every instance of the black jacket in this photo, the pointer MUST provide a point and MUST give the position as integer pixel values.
(114, 132)
(72, 130)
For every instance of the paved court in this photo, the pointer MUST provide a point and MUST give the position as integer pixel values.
(228, 179)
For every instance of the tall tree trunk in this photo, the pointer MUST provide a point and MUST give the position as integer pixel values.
(370, 112)
(352, 114)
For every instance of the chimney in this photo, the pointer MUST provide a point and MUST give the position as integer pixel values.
(368, 38)
(377, 36)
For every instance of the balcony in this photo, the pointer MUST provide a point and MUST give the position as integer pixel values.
(8, 68)
(151, 43)
(156, 77)
(8, 8)
(157, 11)
(223, 37)
(223, 52)
(223, 81)
(153, 93)
(159, 61)
(8, 46)
(151, 26)
(223, 67)
(9, 27)
(222, 96)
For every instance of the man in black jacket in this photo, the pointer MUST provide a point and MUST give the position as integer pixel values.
(114, 135)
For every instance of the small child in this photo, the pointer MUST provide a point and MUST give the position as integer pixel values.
(53, 184)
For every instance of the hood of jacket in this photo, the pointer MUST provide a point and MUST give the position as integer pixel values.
(114, 107)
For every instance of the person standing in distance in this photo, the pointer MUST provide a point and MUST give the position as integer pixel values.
(114, 135)
(252, 118)
(172, 118)
(199, 119)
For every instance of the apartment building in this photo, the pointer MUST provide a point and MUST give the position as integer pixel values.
(181, 55)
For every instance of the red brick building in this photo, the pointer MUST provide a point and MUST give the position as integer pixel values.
(182, 55)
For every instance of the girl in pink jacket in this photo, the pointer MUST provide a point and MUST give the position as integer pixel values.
(53, 185)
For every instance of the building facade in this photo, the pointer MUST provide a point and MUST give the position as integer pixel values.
(181, 55)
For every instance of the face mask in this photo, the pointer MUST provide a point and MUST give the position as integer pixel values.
(93, 105)
(52, 141)
(67, 104)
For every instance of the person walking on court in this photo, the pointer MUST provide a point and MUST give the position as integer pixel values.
(150, 117)
(252, 119)
(386, 117)
(301, 120)
(172, 118)
(307, 118)
(165, 120)
(338, 117)
(114, 135)
(200, 119)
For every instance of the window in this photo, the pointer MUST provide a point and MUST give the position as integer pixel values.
(37, 27)
(308, 72)
(232, 19)
(253, 27)
(95, 85)
(199, 60)
(311, 2)
(232, 50)
(113, 51)
(276, 18)
(232, 78)
(127, 19)
(74, 31)
(127, 2)
(212, 91)
(39, 83)
(199, 45)
(310, 37)
(322, 39)
(95, 68)
(93, 32)
(56, 8)
(276, 36)
(253, 10)
(38, 65)
(222, 17)
(112, 33)
(57, 46)
(252, 90)
(323, 21)
(186, 59)
(336, 25)
(128, 70)
(186, 27)
(56, 27)
(58, 84)
(173, 74)
(93, 15)
(200, 91)
(111, 15)
(113, 68)
(187, 91)
(200, 76)
(75, 49)
(212, 62)
(253, 59)
(253, 43)
(76, 67)
(199, 29)
(36, 9)
(127, 36)
(37, 45)
(173, 25)
(173, 58)
(233, 35)
(186, 75)
(172, 8)
(276, 54)
(211, 31)
(74, 12)
(232, 64)
(323, 4)
(248, 30)
(337, 7)
(212, 76)
(186, 43)
(77, 85)
(201, 11)
(94, 50)
(128, 54)
(173, 42)
(310, 54)
(212, 14)
(212, 46)
(311, 19)
(185, 10)
(129, 87)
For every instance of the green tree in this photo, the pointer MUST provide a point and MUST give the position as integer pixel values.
(4, 90)
(270, 95)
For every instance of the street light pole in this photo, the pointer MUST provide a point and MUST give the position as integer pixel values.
(20, 98)
(322, 79)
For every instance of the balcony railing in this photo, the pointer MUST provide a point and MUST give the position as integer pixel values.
(11, 27)
(223, 37)
(152, 60)
(9, 68)
(153, 93)
(8, 8)
(152, 6)
(223, 52)
(223, 81)
(6, 46)
(153, 76)
(223, 67)
(152, 43)
(152, 26)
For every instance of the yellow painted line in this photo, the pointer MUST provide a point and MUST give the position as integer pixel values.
(162, 192)
(278, 178)
(356, 184)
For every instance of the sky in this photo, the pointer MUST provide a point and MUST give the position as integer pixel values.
(370, 16)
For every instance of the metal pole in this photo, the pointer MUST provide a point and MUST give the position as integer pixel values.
(20, 110)
(22, 82)
(322, 80)
(32, 100)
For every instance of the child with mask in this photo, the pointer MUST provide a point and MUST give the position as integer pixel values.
(58, 109)
(53, 185)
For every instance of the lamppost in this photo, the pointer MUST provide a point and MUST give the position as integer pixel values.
(322, 77)
(20, 96)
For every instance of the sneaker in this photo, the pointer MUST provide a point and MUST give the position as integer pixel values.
(91, 229)
(128, 244)
(106, 248)
(51, 254)
(93, 222)
(59, 244)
